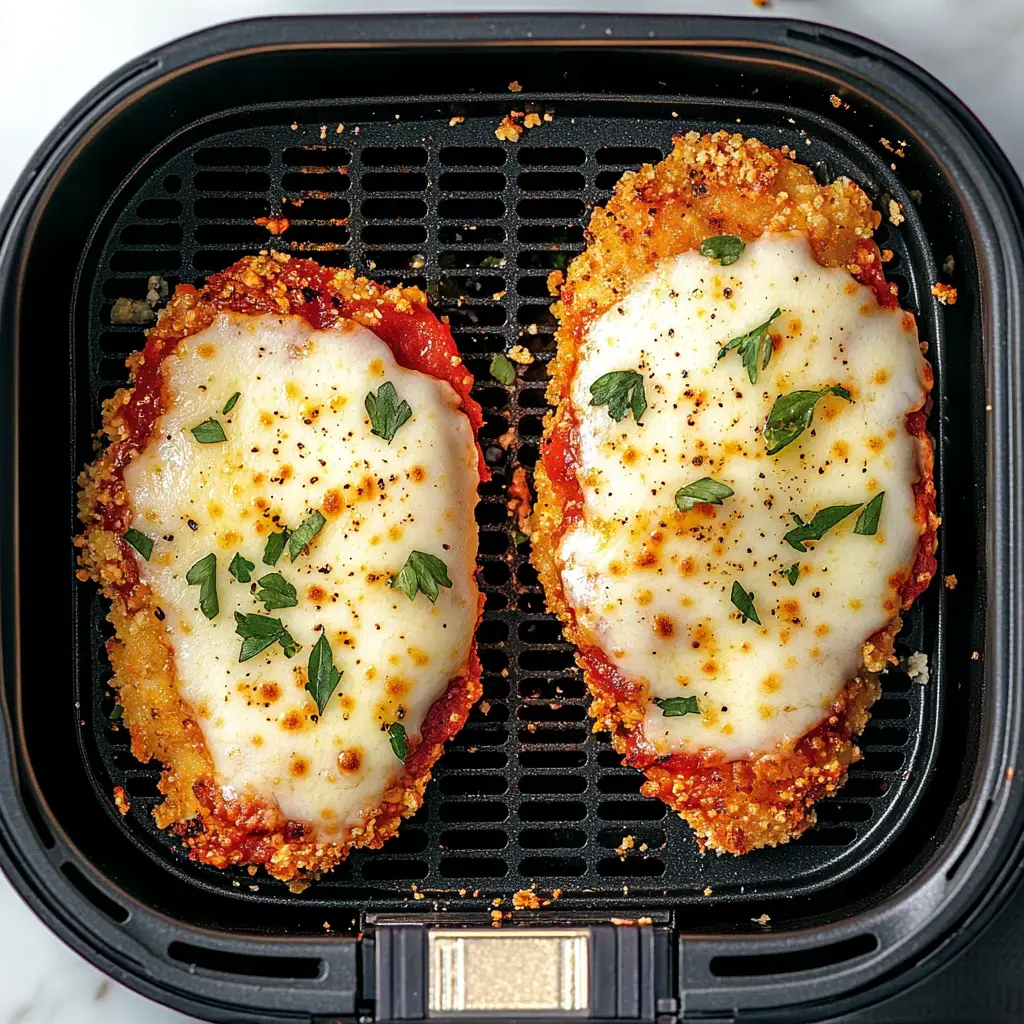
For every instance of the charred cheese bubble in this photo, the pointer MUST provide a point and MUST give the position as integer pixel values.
(650, 585)
(298, 441)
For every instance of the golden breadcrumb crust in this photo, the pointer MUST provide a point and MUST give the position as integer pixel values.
(161, 724)
(713, 185)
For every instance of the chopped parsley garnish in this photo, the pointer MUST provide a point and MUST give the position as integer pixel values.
(755, 348)
(492, 262)
(422, 572)
(792, 573)
(727, 249)
(386, 413)
(560, 260)
(204, 575)
(503, 370)
(117, 713)
(821, 522)
(241, 568)
(519, 537)
(744, 602)
(702, 492)
(276, 592)
(396, 733)
(139, 541)
(231, 403)
(673, 707)
(321, 675)
(274, 547)
(258, 632)
(304, 533)
(620, 390)
(209, 432)
(867, 521)
(791, 415)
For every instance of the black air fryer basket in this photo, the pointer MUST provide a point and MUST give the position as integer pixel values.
(163, 170)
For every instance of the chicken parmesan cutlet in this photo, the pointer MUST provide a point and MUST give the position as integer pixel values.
(735, 498)
(283, 522)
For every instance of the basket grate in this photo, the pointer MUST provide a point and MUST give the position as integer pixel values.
(526, 794)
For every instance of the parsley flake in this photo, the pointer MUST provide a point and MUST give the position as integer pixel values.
(867, 521)
(620, 390)
(705, 491)
(274, 546)
(744, 602)
(386, 413)
(231, 403)
(792, 573)
(241, 568)
(276, 592)
(139, 541)
(755, 348)
(422, 572)
(503, 370)
(258, 632)
(674, 707)
(791, 415)
(727, 249)
(396, 733)
(204, 575)
(209, 432)
(304, 534)
(822, 521)
(321, 675)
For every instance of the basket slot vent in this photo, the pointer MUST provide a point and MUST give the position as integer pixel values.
(223, 961)
(792, 961)
(100, 900)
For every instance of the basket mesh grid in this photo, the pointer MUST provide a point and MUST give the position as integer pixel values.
(526, 794)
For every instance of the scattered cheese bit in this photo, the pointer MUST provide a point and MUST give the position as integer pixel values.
(323, 131)
(514, 87)
(896, 213)
(917, 668)
(339, 129)
(945, 293)
(950, 581)
(520, 354)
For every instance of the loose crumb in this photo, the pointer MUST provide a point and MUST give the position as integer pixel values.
(508, 130)
(975, 655)
(949, 264)
(532, 120)
(626, 845)
(887, 255)
(556, 894)
(896, 213)
(762, 920)
(526, 900)
(455, 120)
(485, 709)
(339, 129)
(708, 891)
(520, 354)
(495, 918)
(555, 281)
(496, 902)
(121, 801)
(950, 581)
(945, 293)
(887, 144)
(1009, 773)
(835, 101)
(514, 87)
(323, 131)
(275, 225)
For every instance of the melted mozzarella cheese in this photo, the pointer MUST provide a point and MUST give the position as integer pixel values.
(298, 439)
(651, 585)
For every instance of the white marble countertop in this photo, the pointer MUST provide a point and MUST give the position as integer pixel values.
(55, 51)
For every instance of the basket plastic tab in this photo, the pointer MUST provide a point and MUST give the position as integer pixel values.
(610, 972)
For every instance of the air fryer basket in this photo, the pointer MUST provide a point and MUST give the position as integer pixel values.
(328, 122)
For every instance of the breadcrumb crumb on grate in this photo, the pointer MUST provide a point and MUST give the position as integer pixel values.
(945, 293)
